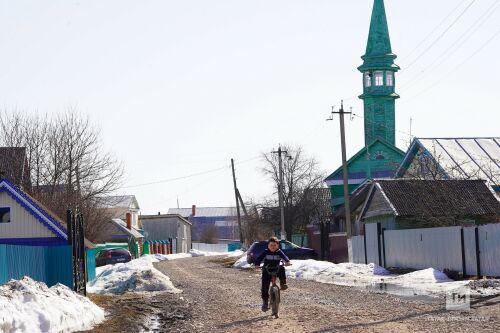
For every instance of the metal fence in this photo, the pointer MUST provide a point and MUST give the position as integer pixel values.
(49, 264)
(470, 250)
(216, 247)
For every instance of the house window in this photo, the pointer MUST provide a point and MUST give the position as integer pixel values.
(4, 214)
(379, 78)
(389, 78)
(368, 79)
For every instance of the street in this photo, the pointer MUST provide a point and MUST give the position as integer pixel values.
(222, 299)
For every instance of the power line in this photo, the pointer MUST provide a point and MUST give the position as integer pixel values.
(188, 176)
(435, 29)
(477, 157)
(455, 68)
(441, 35)
(455, 46)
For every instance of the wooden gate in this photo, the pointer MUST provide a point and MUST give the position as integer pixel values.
(76, 238)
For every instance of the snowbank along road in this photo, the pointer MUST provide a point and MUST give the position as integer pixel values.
(224, 299)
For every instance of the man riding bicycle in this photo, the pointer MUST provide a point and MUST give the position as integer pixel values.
(272, 257)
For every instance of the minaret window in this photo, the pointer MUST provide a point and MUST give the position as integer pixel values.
(389, 78)
(379, 78)
(368, 79)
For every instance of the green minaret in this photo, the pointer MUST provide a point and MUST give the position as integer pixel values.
(379, 80)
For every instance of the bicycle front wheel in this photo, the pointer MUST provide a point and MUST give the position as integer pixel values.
(275, 300)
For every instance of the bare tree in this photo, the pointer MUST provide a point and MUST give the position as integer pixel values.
(209, 234)
(67, 164)
(439, 166)
(301, 174)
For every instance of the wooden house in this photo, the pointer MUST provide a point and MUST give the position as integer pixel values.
(417, 203)
(34, 242)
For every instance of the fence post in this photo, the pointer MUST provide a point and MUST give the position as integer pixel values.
(379, 231)
(462, 244)
(383, 246)
(478, 252)
(364, 243)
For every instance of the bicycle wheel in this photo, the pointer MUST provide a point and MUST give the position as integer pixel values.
(275, 300)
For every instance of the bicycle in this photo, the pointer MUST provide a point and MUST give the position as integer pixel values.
(274, 290)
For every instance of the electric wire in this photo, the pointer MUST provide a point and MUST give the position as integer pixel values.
(435, 29)
(428, 48)
(437, 82)
(188, 176)
(454, 47)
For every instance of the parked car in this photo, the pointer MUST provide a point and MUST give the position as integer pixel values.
(112, 256)
(291, 250)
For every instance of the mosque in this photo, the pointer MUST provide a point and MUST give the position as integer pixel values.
(380, 157)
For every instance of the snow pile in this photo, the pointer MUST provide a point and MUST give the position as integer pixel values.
(137, 275)
(242, 263)
(327, 272)
(429, 275)
(485, 287)
(162, 257)
(30, 306)
(193, 253)
(428, 281)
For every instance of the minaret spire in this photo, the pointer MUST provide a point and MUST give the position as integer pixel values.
(379, 70)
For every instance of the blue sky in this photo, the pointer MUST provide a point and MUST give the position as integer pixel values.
(179, 87)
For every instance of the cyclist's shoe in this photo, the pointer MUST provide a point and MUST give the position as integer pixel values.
(283, 287)
(265, 305)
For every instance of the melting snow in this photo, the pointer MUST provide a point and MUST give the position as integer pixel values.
(137, 275)
(428, 281)
(30, 306)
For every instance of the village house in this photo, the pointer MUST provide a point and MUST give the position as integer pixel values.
(34, 242)
(211, 224)
(119, 205)
(122, 227)
(167, 227)
(417, 203)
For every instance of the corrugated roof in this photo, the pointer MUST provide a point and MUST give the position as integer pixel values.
(123, 226)
(466, 158)
(415, 197)
(205, 211)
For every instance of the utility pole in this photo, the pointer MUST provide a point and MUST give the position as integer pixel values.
(236, 192)
(347, 209)
(280, 191)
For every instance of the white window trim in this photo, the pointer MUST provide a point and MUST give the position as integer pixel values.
(378, 77)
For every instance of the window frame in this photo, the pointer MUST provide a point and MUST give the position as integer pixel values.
(4, 210)
(378, 78)
(367, 79)
(389, 82)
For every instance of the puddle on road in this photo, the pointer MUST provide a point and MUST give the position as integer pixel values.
(397, 290)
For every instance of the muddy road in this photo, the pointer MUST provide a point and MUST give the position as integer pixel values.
(221, 299)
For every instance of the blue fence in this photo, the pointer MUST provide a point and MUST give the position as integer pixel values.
(91, 253)
(49, 264)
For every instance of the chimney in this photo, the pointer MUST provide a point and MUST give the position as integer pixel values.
(129, 221)
(159, 213)
(193, 210)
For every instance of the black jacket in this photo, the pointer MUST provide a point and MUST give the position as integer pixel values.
(271, 258)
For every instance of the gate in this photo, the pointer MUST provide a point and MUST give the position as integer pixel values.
(76, 238)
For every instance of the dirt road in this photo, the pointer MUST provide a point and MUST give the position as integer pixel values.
(228, 300)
